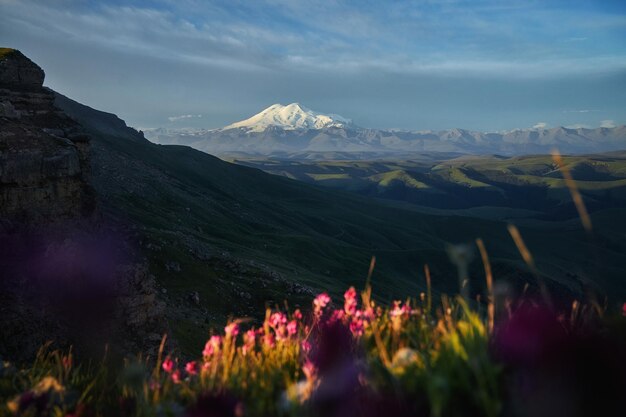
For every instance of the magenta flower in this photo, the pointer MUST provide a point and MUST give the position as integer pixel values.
(350, 304)
(305, 346)
(168, 365)
(192, 368)
(176, 378)
(356, 327)
(398, 310)
(231, 330)
(212, 346)
(277, 319)
(249, 341)
(624, 310)
(336, 316)
(320, 302)
(269, 340)
(298, 314)
(309, 369)
(292, 327)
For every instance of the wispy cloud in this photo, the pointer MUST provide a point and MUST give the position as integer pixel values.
(418, 64)
(607, 123)
(540, 125)
(183, 117)
(417, 37)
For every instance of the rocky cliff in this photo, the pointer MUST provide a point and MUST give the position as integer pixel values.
(66, 275)
(44, 155)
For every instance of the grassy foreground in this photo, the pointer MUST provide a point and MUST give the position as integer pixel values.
(355, 357)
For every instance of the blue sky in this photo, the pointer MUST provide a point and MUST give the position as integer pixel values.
(485, 65)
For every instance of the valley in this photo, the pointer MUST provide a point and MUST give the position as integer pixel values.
(240, 238)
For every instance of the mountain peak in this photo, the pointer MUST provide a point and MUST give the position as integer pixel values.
(293, 116)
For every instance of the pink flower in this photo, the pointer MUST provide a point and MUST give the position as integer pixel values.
(320, 302)
(212, 346)
(191, 367)
(176, 377)
(231, 330)
(168, 365)
(356, 327)
(350, 304)
(624, 310)
(397, 309)
(292, 327)
(297, 314)
(269, 340)
(277, 319)
(249, 337)
(336, 316)
(305, 346)
(309, 369)
(249, 341)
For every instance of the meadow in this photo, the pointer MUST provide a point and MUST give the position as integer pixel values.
(421, 356)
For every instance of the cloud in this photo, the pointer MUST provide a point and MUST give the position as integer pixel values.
(393, 37)
(607, 123)
(540, 125)
(183, 117)
(578, 126)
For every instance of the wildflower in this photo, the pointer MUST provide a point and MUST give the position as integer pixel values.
(249, 340)
(192, 368)
(277, 319)
(292, 327)
(297, 314)
(231, 330)
(336, 316)
(320, 302)
(269, 340)
(356, 327)
(350, 304)
(309, 369)
(305, 346)
(212, 346)
(168, 365)
(176, 377)
(397, 310)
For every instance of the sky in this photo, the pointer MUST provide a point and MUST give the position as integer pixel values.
(426, 64)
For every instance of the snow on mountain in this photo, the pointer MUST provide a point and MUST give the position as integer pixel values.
(290, 117)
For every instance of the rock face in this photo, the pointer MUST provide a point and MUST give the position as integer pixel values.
(64, 275)
(44, 155)
(18, 70)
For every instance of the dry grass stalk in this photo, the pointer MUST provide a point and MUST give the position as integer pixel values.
(489, 279)
(573, 189)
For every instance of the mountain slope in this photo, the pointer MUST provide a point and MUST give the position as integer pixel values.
(227, 239)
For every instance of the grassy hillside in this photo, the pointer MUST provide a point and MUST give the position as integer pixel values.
(226, 239)
(527, 182)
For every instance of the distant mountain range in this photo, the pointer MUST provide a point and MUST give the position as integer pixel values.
(296, 129)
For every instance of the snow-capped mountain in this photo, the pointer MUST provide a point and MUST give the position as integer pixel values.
(290, 117)
(295, 129)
